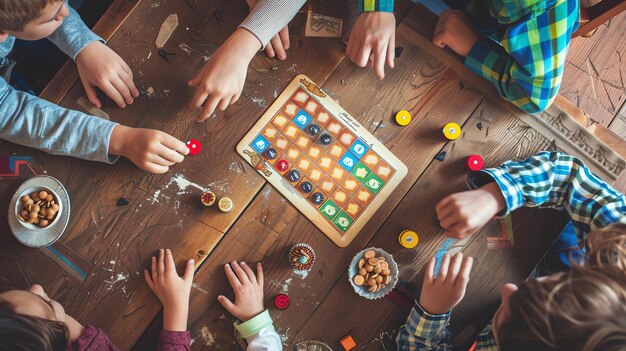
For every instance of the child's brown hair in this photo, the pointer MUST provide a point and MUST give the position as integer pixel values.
(20, 332)
(15, 14)
(583, 309)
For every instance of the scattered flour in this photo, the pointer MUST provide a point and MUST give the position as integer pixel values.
(207, 336)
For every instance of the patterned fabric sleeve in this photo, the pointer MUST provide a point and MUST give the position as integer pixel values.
(174, 341)
(527, 64)
(556, 180)
(424, 331)
(375, 5)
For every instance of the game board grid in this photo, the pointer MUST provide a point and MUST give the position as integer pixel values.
(338, 201)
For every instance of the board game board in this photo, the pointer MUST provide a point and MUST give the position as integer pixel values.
(322, 160)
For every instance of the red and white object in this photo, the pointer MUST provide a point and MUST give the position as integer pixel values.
(475, 163)
(194, 146)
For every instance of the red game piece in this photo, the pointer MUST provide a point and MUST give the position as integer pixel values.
(282, 165)
(194, 146)
(475, 163)
(281, 301)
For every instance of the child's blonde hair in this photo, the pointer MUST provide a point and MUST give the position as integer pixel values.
(583, 309)
(15, 14)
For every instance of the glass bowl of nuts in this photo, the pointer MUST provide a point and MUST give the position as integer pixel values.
(38, 208)
(373, 273)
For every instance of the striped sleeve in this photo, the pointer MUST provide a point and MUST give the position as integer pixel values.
(268, 17)
(375, 5)
(556, 180)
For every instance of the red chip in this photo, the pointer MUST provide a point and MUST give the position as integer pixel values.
(475, 163)
(194, 146)
(281, 301)
(282, 165)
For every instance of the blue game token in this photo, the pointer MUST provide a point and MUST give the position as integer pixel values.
(313, 129)
(306, 187)
(302, 119)
(359, 148)
(317, 198)
(260, 144)
(348, 161)
(326, 139)
(293, 176)
(271, 153)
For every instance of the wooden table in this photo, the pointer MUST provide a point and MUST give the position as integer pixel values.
(95, 270)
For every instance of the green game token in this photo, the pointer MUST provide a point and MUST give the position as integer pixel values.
(373, 183)
(360, 171)
(343, 221)
(329, 209)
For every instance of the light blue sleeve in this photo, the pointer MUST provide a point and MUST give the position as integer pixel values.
(34, 122)
(73, 35)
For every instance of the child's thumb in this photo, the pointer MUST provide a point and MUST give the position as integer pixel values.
(228, 305)
(188, 276)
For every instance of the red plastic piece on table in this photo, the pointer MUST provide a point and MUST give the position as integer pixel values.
(348, 343)
(281, 301)
(282, 165)
(194, 146)
(475, 163)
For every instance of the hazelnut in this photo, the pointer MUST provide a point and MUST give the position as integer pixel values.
(43, 195)
(43, 223)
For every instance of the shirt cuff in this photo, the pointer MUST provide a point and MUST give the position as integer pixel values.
(175, 338)
(482, 58)
(108, 158)
(375, 5)
(509, 187)
(254, 325)
(429, 325)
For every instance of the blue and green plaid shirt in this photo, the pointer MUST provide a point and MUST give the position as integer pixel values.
(548, 180)
(523, 47)
(375, 5)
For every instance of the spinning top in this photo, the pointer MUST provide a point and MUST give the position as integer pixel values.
(301, 257)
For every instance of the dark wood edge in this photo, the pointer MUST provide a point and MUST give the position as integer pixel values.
(598, 14)
(67, 76)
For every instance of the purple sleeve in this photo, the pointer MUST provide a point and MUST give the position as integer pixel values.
(92, 339)
(174, 341)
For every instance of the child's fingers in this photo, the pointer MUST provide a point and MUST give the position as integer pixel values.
(391, 50)
(170, 266)
(112, 92)
(157, 159)
(161, 263)
(355, 51)
(189, 269)
(224, 103)
(464, 273)
(170, 155)
(92, 95)
(269, 50)
(350, 47)
(148, 279)
(228, 305)
(154, 168)
(243, 277)
(174, 144)
(209, 106)
(155, 273)
(200, 98)
(128, 80)
(232, 278)
(278, 47)
(235, 98)
(443, 203)
(439, 40)
(379, 62)
(363, 56)
(122, 89)
(284, 37)
(249, 272)
(443, 269)
(259, 274)
(429, 273)
(455, 266)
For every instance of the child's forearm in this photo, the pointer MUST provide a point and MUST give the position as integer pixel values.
(30, 121)
(268, 17)
(73, 35)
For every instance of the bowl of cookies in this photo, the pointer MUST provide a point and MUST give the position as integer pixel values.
(38, 207)
(373, 273)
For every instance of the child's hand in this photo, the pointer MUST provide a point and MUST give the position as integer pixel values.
(454, 30)
(248, 291)
(463, 214)
(373, 41)
(221, 80)
(101, 67)
(441, 294)
(173, 291)
(279, 43)
(151, 150)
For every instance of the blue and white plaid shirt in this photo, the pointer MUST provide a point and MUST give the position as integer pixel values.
(546, 180)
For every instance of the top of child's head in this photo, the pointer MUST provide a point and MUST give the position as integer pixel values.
(31, 19)
(30, 320)
(582, 309)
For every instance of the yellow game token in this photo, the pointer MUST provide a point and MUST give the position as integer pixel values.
(403, 117)
(452, 131)
(408, 239)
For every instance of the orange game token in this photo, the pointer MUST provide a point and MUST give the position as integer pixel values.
(348, 343)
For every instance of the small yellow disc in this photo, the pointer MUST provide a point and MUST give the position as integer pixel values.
(225, 204)
(452, 131)
(408, 239)
(403, 117)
